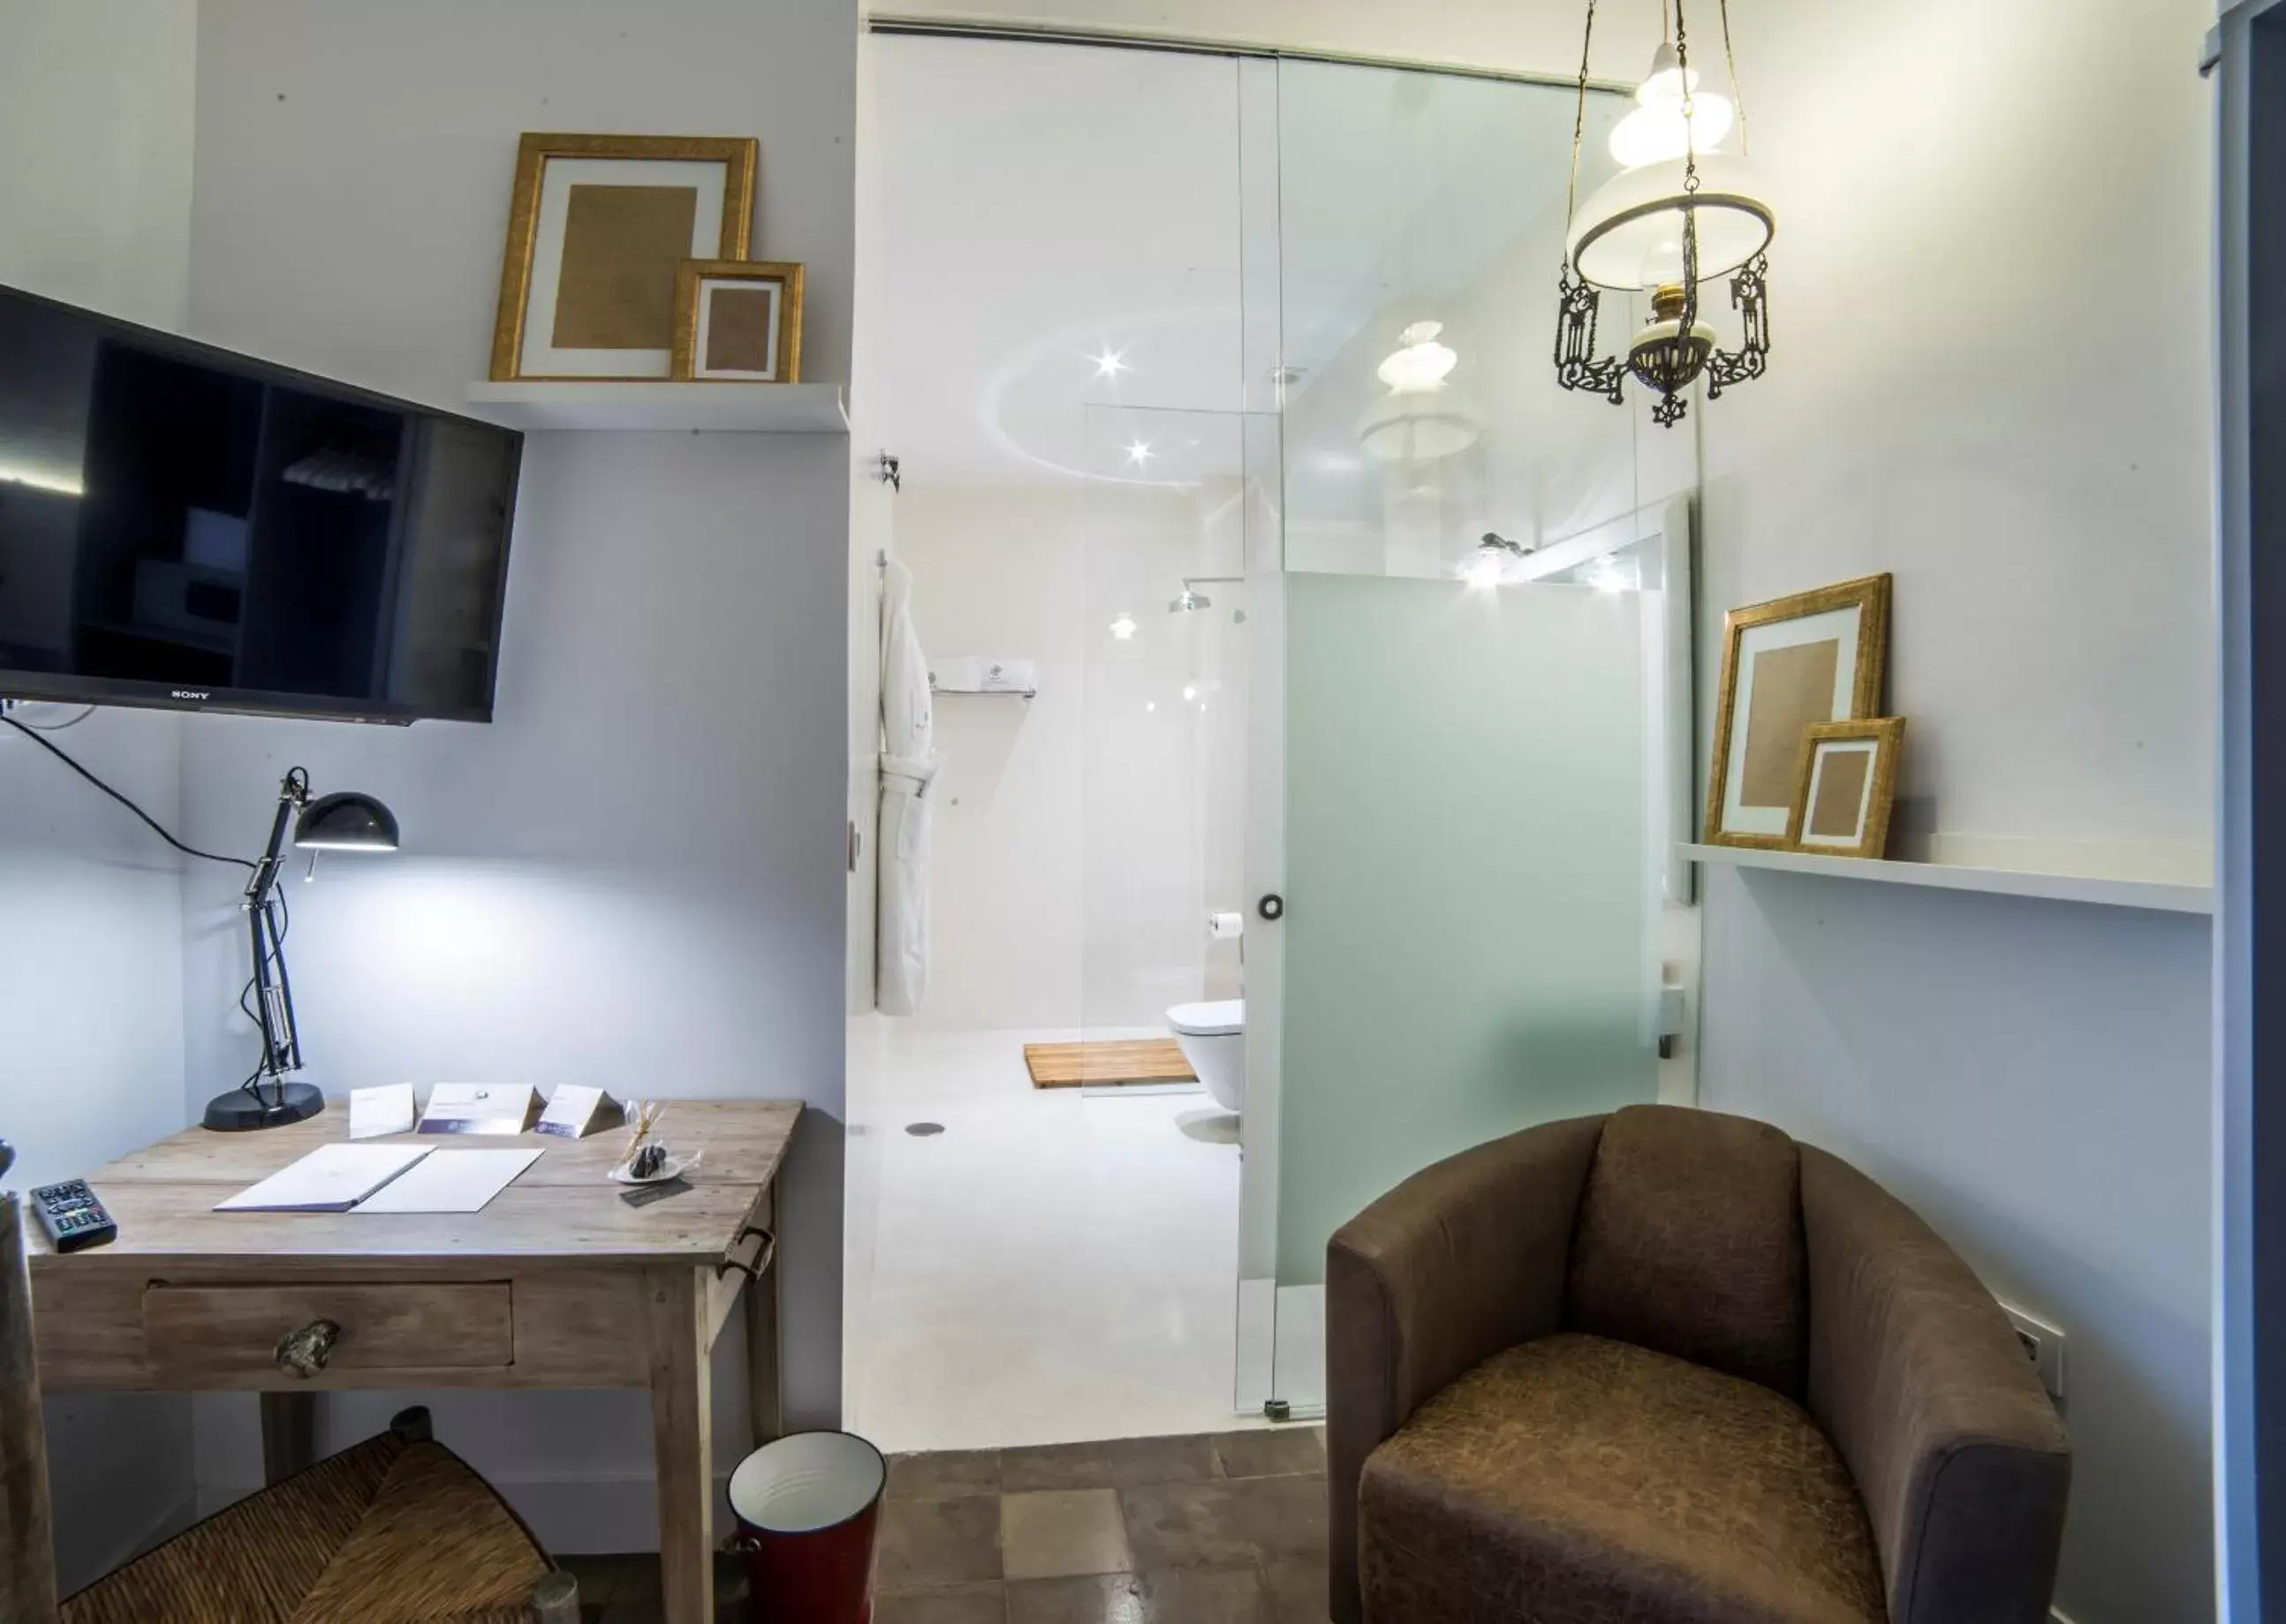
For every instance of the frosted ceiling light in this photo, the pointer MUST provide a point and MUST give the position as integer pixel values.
(1422, 419)
(1141, 452)
(1422, 365)
(1111, 363)
(1124, 628)
(1491, 561)
(1679, 215)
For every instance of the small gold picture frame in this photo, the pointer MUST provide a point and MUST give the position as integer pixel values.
(1847, 784)
(737, 322)
(1788, 666)
(597, 226)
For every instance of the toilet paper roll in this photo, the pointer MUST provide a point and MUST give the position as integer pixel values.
(1225, 926)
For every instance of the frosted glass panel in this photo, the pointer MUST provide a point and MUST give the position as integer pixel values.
(1465, 935)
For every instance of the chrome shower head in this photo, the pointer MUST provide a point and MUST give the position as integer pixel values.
(1193, 598)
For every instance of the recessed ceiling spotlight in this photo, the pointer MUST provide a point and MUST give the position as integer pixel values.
(1111, 363)
(1190, 690)
(1141, 452)
(1124, 628)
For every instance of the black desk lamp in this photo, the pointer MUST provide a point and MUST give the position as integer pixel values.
(328, 823)
(346, 822)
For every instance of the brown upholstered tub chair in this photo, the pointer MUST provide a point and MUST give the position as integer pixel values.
(1669, 1367)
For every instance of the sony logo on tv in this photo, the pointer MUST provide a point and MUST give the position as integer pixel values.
(193, 693)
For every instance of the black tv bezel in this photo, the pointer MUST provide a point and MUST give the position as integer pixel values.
(48, 687)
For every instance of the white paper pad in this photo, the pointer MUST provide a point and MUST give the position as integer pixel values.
(331, 1178)
(377, 1111)
(452, 1181)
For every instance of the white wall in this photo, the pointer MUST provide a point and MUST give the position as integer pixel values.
(2033, 1078)
(90, 974)
(635, 877)
(1072, 835)
(95, 104)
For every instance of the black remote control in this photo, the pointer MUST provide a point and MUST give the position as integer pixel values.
(71, 1216)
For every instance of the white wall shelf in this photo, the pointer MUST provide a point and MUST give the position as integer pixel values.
(2162, 895)
(718, 408)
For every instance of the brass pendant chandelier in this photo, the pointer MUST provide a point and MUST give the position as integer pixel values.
(1681, 212)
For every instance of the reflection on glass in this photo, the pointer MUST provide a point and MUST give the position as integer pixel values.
(1422, 228)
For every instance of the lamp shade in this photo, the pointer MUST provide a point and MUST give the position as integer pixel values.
(1628, 234)
(346, 822)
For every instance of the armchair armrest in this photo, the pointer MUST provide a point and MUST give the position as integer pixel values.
(1462, 1260)
(1919, 1379)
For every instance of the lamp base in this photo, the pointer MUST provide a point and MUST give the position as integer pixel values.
(239, 1111)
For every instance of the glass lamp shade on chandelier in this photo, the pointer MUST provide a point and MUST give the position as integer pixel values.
(1679, 214)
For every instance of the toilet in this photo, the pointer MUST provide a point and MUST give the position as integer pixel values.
(1213, 1039)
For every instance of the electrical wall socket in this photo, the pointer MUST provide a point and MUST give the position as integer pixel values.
(2044, 1346)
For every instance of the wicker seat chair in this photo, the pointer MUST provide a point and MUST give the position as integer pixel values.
(396, 1530)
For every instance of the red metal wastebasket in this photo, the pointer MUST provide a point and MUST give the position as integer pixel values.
(806, 1507)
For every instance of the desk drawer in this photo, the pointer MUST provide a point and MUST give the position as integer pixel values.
(192, 1333)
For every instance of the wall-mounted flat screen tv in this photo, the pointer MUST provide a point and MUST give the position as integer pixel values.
(183, 527)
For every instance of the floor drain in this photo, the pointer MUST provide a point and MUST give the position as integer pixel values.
(924, 1130)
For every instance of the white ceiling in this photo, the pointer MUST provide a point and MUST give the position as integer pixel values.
(1031, 208)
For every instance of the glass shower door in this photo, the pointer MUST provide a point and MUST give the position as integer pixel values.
(1464, 834)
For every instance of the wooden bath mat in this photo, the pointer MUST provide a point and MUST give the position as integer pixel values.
(1146, 1060)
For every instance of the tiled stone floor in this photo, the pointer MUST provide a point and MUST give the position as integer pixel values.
(1223, 1529)
(1227, 1528)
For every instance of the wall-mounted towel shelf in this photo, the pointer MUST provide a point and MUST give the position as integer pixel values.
(986, 693)
(1007, 677)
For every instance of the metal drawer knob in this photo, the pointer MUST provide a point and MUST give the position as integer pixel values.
(303, 1354)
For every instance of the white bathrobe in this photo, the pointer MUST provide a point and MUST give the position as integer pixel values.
(908, 764)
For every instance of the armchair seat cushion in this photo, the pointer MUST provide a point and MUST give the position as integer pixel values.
(1573, 1479)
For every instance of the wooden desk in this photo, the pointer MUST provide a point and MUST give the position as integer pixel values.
(557, 1283)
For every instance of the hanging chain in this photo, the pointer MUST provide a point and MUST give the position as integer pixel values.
(1690, 313)
(1579, 126)
(1737, 90)
(1690, 106)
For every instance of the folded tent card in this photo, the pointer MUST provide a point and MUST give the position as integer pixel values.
(374, 1112)
(573, 1111)
(479, 1108)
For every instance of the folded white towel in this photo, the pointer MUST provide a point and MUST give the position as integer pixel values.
(1010, 676)
(957, 674)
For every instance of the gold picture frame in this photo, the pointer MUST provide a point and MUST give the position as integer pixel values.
(1828, 654)
(595, 232)
(738, 321)
(1846, 785)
